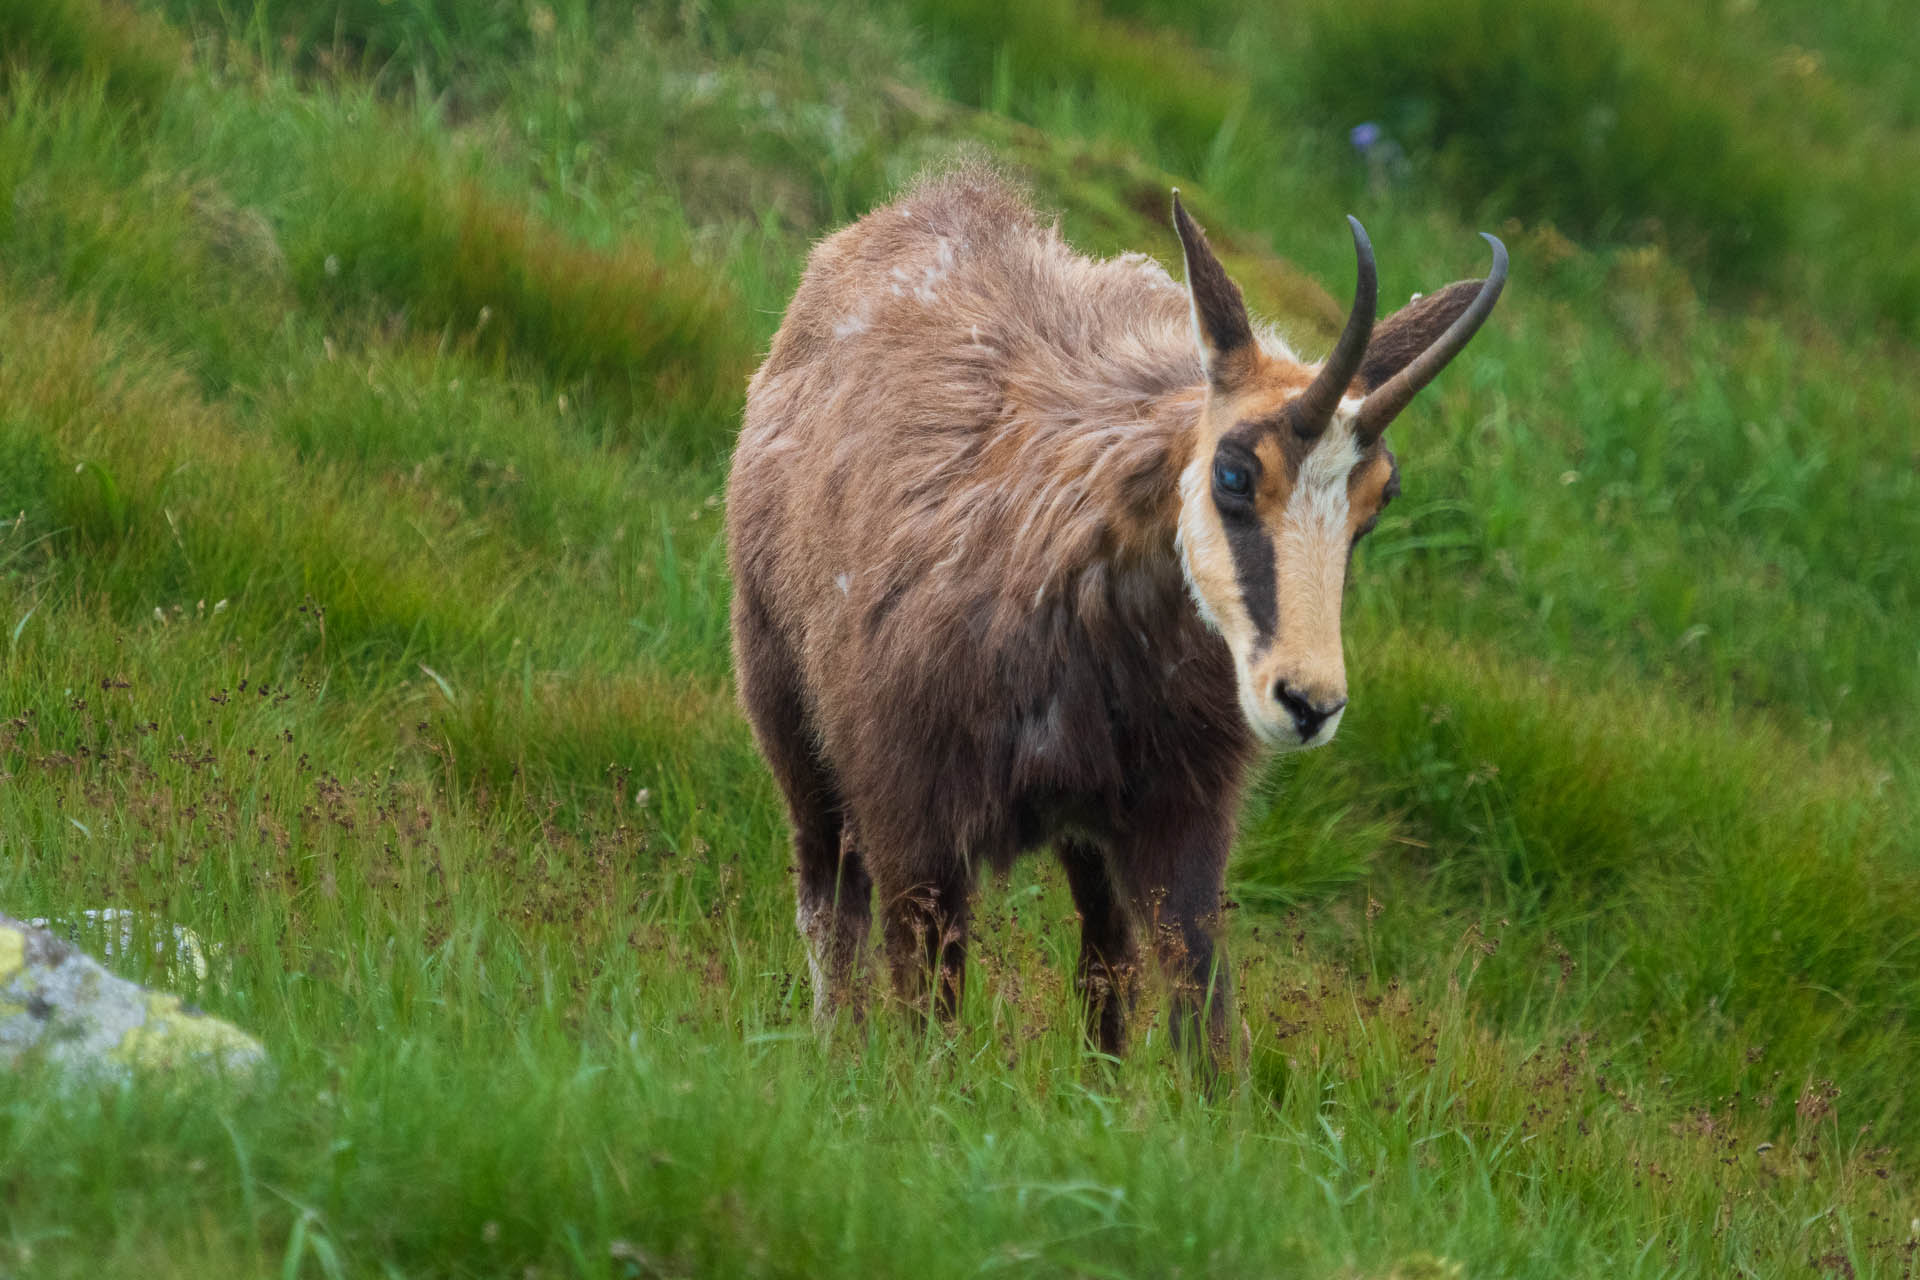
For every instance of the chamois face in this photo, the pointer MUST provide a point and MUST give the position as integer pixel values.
(1268, 522)
(1288, 472)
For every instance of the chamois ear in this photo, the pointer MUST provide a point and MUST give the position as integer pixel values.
(1436, 328)
(1412, 329)
(1220, 324)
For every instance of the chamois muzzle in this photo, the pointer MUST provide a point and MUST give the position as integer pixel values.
(1313, 410)
(1309, 714)
(1385, 402)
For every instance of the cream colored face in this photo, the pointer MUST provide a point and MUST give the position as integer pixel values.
(1268, 523)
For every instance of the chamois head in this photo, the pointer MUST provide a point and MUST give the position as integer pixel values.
(1288, 472)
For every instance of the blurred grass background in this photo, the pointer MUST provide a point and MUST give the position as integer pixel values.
(367, 376)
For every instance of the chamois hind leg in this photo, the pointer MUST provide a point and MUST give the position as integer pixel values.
(924, 918)
(1109, 960)
(830, 878)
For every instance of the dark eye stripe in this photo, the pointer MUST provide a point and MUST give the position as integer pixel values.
(1252, 552)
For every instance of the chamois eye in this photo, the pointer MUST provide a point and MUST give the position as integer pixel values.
(1232, 479)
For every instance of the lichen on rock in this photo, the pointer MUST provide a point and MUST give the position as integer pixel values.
(60, 1008)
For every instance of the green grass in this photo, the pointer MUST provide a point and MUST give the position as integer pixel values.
(367, 375)
(1764, 144)
(132, 54)
(1544, 108)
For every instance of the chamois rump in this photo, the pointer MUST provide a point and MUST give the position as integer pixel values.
(1032, 549)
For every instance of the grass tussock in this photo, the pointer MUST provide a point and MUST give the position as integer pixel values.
(490, 278)
(445, 44)
(1545, 108)
(142, 490)
(134, 54)
(998, 52)
(1745, 883)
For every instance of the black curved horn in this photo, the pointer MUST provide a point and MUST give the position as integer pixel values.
(1313, 410)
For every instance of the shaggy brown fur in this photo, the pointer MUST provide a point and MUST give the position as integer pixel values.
(962, 625)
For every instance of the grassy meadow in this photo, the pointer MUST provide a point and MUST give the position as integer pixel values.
(368, 371)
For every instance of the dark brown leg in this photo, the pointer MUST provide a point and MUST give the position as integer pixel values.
(830, 879)
(1108, 958)
(925, 922)
(834, 913)
(1175, 874)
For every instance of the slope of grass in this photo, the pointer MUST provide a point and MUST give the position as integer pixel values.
(1766, 144)
(616, 993)
(365, 391)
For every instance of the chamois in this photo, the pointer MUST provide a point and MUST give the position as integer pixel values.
(1032, 549)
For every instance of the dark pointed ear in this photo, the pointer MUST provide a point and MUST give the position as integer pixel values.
(1411, 330)
(1220, 323)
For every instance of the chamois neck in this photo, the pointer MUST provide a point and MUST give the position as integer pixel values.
(1103, 496)
(1175, 419)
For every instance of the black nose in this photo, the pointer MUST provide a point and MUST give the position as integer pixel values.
(1307, 714)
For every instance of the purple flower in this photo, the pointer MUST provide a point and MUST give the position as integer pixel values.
(1364, 136)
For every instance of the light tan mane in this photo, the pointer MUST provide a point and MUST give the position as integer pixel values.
(1033, 396)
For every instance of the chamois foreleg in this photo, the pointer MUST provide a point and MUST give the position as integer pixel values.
(1175, 873)
(1109, 959)
(924, 915)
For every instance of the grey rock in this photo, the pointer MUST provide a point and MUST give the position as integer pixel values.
(60, 1008)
